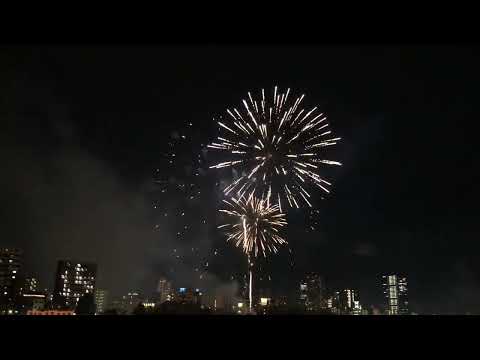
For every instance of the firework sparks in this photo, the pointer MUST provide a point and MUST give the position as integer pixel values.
(254, 226)
(277, 148)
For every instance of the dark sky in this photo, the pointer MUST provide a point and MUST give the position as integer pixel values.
(85, 128)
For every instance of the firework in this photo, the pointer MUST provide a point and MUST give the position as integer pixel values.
(277, 148)
(254, 225)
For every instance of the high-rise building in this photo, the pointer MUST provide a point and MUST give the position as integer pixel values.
(101, 300)
(396, 294)
(312, 292)
(347, 298)
(345, 302)
(357, 308)
(73, 279)
(164, 290)
(30, 285)
(26, 293)
(348, 302)
(333, 302)
(11, 266)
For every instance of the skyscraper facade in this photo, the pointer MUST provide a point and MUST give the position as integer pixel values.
(164, 290)
(30, 284)
(312, 292)
(345, 302)
(72, 280)
(395, 289)
(11, 266)
(101, 300)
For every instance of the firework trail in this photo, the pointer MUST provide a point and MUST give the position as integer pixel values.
(277, 147)
(254, 226)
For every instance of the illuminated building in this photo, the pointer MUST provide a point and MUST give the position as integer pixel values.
(333, 303)
(50, 312)
(29, 301)
(148, 304)
(73, 279)
(357, 308)
(312, 292)
(130, 302)
(26, 284)
(303, 293)
(189, 296)
(30, 284)
(265, 301)
(101, 300)
(241, 308)
(164, 290)
(25, 295)
(396, 293)
(11, 265)
(345, 302)
(330, 302)
(347, 299)
(265, 304)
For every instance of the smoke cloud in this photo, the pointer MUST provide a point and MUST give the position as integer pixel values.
(75, 205)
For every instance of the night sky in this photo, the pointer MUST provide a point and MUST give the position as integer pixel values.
(84, 130)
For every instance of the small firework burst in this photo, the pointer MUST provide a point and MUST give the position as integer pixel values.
(254, 225)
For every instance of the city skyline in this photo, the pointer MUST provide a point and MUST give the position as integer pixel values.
(105, 163)
(75, 279)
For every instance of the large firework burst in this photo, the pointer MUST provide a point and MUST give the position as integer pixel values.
(276, 147)
(254, 225)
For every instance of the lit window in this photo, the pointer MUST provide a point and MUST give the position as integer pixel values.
(14, 271)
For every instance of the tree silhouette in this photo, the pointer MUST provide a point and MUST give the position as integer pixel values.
(139, 310)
